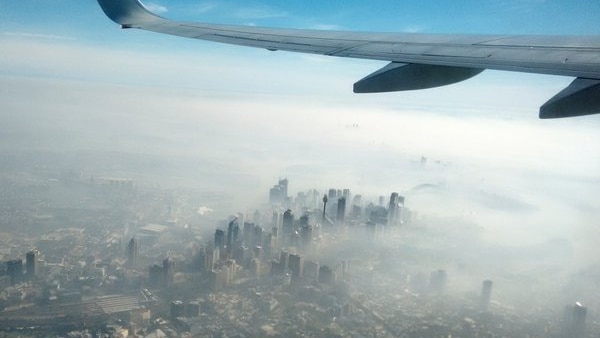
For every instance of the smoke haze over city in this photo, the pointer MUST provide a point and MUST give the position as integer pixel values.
(116, 138)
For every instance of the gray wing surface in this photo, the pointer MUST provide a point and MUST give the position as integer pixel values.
(417, 61)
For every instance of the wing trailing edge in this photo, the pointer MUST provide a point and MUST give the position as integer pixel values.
(417, 61)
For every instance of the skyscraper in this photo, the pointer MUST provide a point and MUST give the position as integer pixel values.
(311, 270)
(155, 275)
(248, 233)
(31, 264)
(574, 321)
(283, 183)
(258, 236)
(220, 239)
(133, 251)
(279, 193)
(306, 234)
(486, 294)
(393, 208)
(288, 224)
(168, 270)
(14, 270)
(296, 264)
(341, 210)
(230, 233)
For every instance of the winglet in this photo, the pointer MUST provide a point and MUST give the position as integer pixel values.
(128, 13)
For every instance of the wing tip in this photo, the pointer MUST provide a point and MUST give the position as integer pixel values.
(126, 12)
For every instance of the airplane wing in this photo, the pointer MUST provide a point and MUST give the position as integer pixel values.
(417, 61)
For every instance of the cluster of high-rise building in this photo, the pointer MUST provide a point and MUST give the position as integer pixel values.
(17, 271)
(290, 266)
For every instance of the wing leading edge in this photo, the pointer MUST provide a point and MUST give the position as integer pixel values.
(417, 61)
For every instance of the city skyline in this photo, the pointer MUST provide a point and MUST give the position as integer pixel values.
(354, 269)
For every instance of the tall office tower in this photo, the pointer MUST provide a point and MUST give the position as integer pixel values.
(256, 217)
(357, 200)
(393, 209)
(133, 252)
(269, 242)
(486, 294)
(168, 271)
(236, 235)
(356, 211)
(401, 200)
(325, 199)
(306, 236)
(279, 193)
(579, 314)
(284, 187)
(296, 264)
(288, 224)
(220, 239)
(276, 220)
(381, 201)
(32, 264)
(311, 270)
(248, 233)
(574, 322)
(284, 258)
(14, 270)
(357, 206)
(275, 195)
(199, 260)
(275, 232)
(341, 210)
(300, 200)
(219, 278)
(230, 236)
(214, 256)
(346, 194)
(258, 236)
(437, 281)
(155, 275)
(332, 198)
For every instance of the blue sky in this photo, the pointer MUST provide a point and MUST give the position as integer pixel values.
(80, 18)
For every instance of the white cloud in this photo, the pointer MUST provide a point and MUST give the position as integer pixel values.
(327, 27)
(156, 8)
(488, 120)
(204, 7)
(412, 29)
(37, 36)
